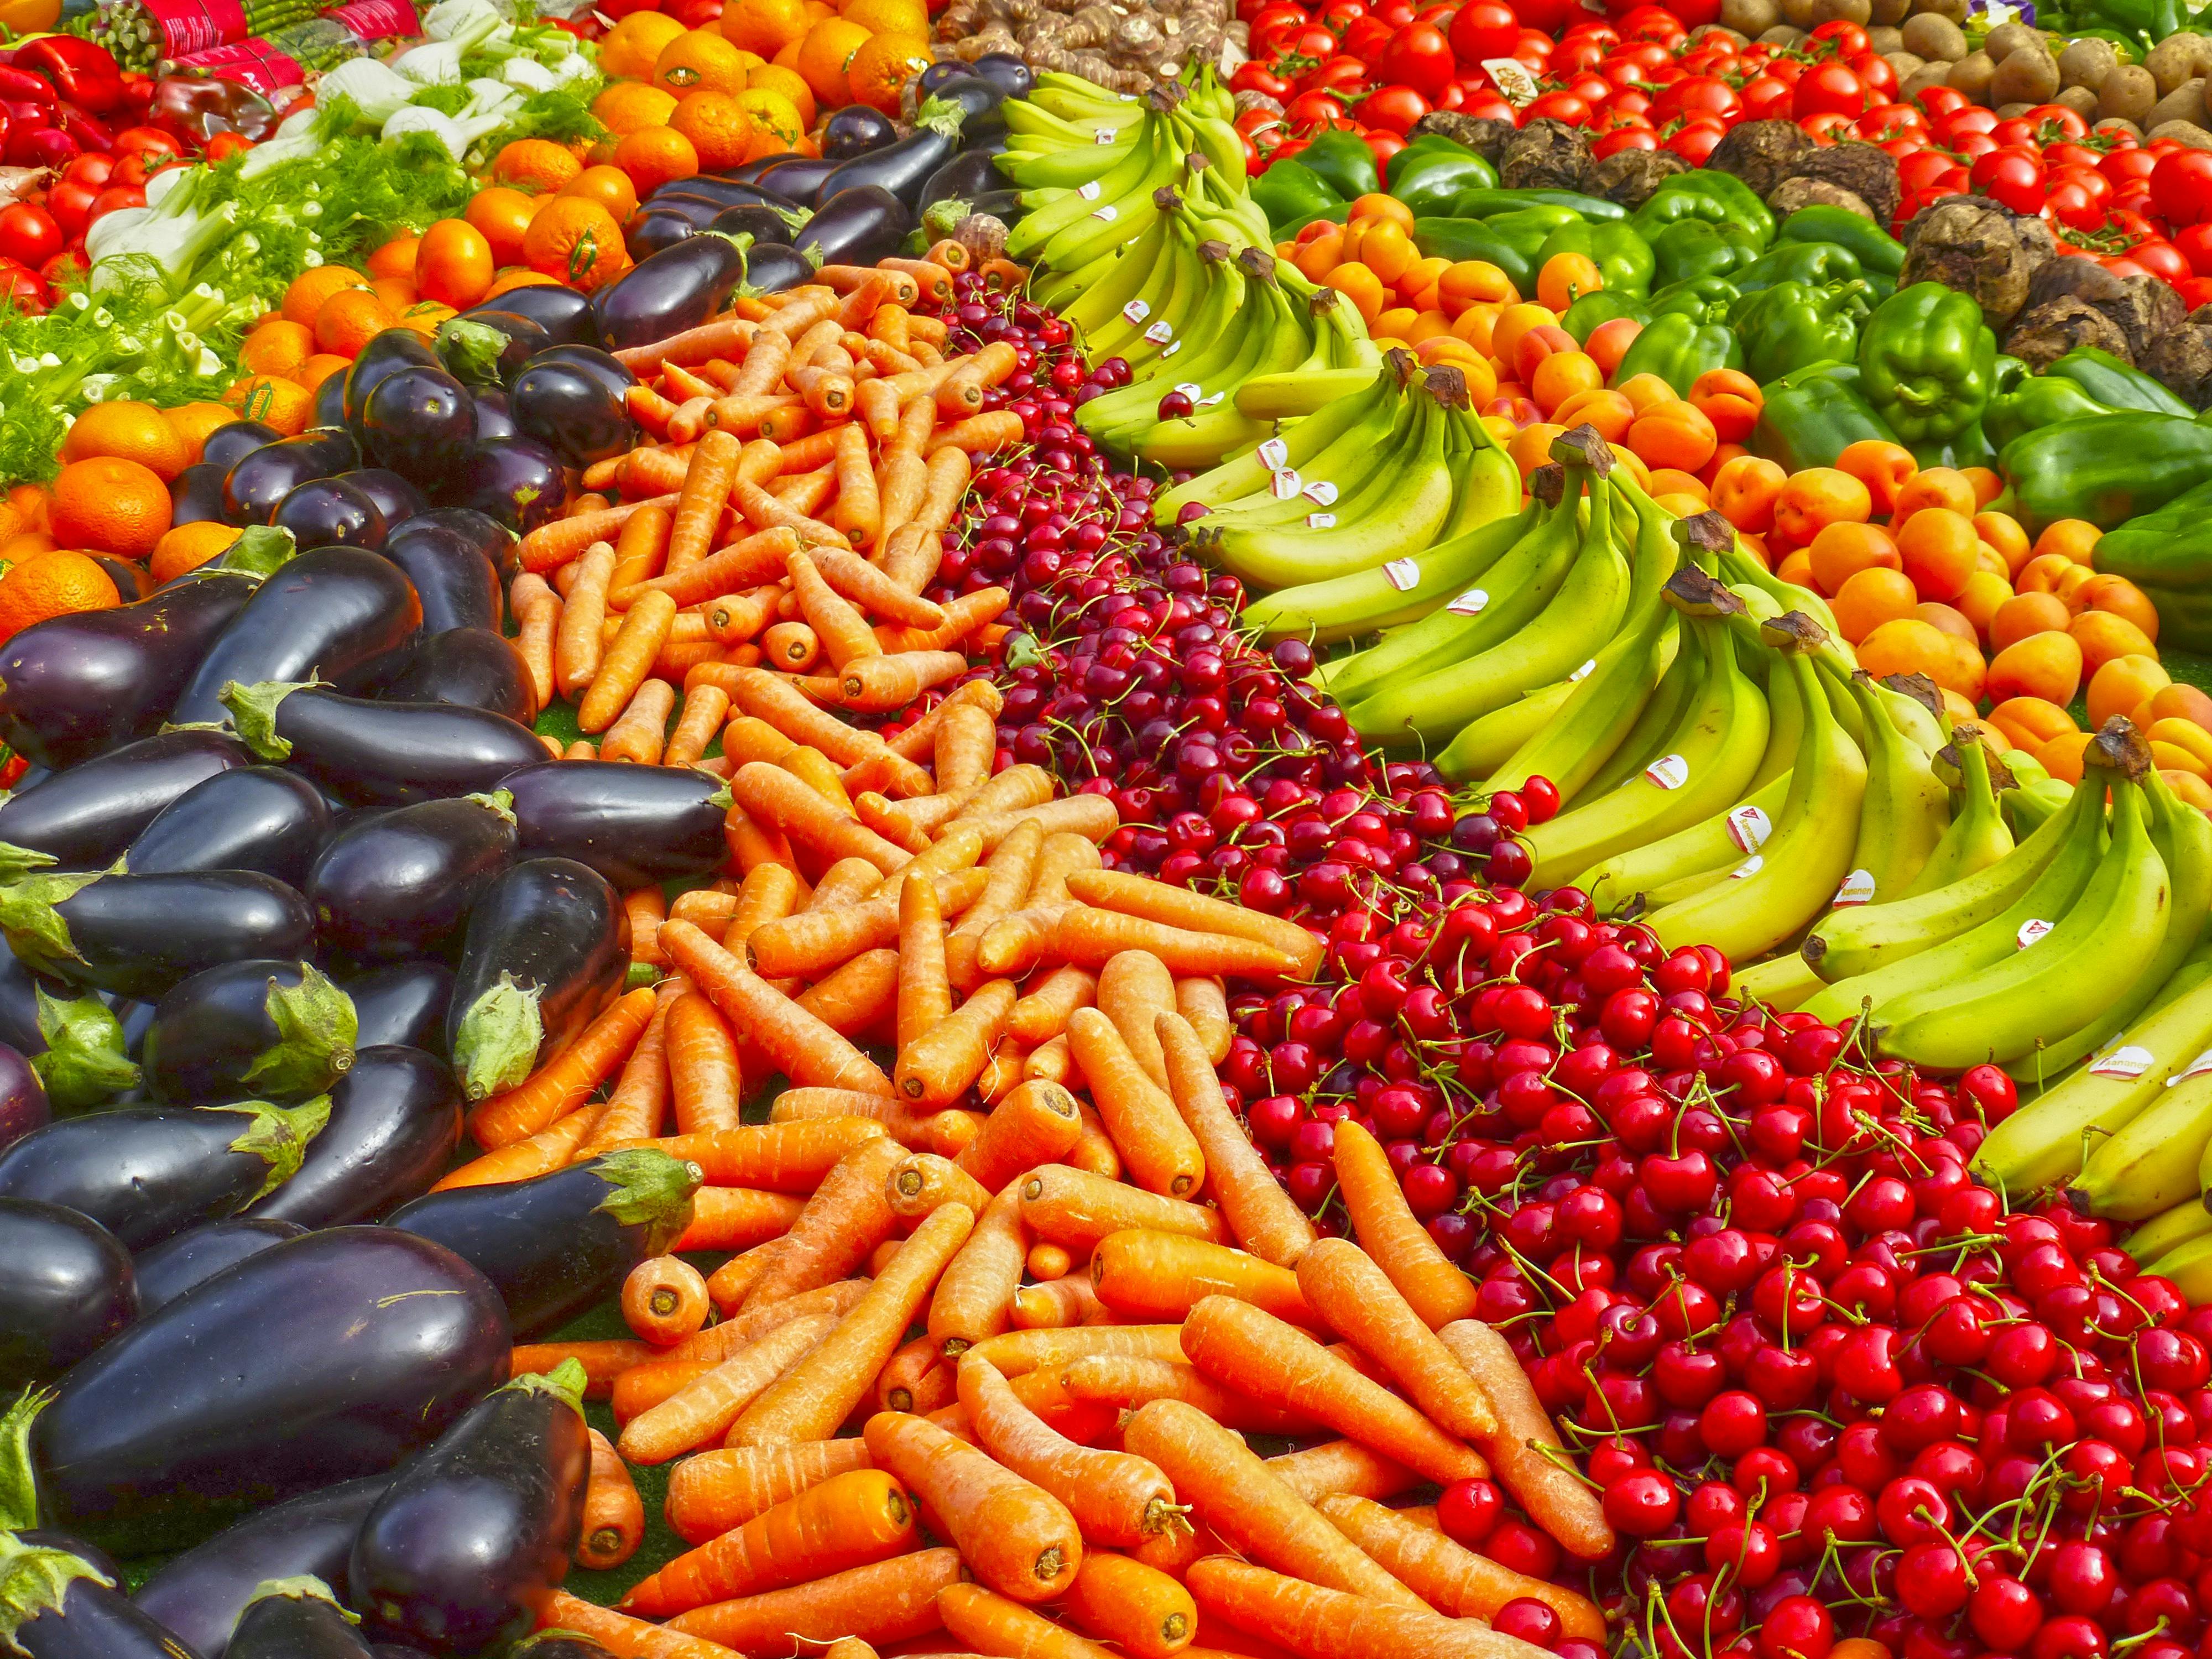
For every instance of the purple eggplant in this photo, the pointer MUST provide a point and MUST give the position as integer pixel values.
(395, 1124)
(330, 1357)
(489, 349)
(196, 494)
(728, 190)
(386, 355)
(85, 816)
(677, 288)
(547, 948)
(1012, 77)
(19, 1004)
(146, 1173)
(556, 1244)
(859, 226)
(381, 753)
(276, 1031)
(768, 227)
(59, 1607)
(81, 1051)
(138, 935)
(561, 311)
(465, 1549)
(467, 668)
(23, 1104)
(572, 399)
(297, 1619)
(559, 1644)
(658, 229)
(419, 422)
(487, 535)
(232, 442)
(69, 1286)
(330, 402)
(516, 482)
(331, 512)
(772, 270)
(200, 1594)
(395, 497)
(970, 173)
(455, 581)
(494, 419)
(798, 176)
(397, 1651)
(978, 99)
(636, 825)
(252, 489)
(258, 817)
(401, 1005)
(192, 1257)
(342, 615)
(402, 883)
(72, 686)
(854, 130)
(899, 168)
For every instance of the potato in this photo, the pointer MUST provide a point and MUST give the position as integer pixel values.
(1783, 34)
(1903, 65)
(1891, 12)
(1750, 18)
(2184, 132)
(1972, 75)
(2027, 75)
(2008, 38)
(2086, 63)
(1884, 42)
(2113, 127)
(2129, 93)
(1798, 14)
(1953, 9)
(1938, 40)
(1911, 86)
(1848, 11)
(2178, 58)
(2185, 103)
(2080, 100)
(2007, 112)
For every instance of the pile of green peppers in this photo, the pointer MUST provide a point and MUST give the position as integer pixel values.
(1336, 168)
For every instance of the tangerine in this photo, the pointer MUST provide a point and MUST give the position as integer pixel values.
(881, 67)
(189, 546)
(52, 584)
(773, 116)
(277, 346)
(825, 59)
(455, 264)
(193, 422)
(576, 242)
(395, 258)
(503, 216)
(765, 27)
(349, 319)
(130, 432)
(537, 166)
(111, 506)
(718, 127)
(654, 156)
(320, 366)
(610, 186)
(906, 17)
(774, 77)
(697, 61)
(627, 106)
(282, 405)
(305, 297)
(627, 50)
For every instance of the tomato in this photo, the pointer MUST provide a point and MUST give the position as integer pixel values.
(1843, 37)
(1394, 108)
(1765, 99)
(2098, 187)
(1694, 142)
(2127, 166)
(224, 145)
(2067, 121)
(1366, 38)
(138, 139)
(2195, 292)
(1382, 145)
(2014, 131)
(2161, 258)
(1419, 57)
(1829, 89)
(1617, 119)
(1876, 74)
(66, 264)
(1274, 27)
(1592, 90)
(1959, 122)
(1558, 107)
(30, 233)
(1697, 93)
(1338, 15)
(2073, 206)
(2123, 267)
(1939, 101)
(1255, 77)
(2011, 177)
(1915, 171)
(1339, 74)
(111, 198)
(1621, 138)
(1313, 109)
(1484, 29)
(24, 288)
(1828, 127)
(1630, 100)
(1886, 121)
(1971, 146)
(1573, 56)
(71, 204)
(2181, 185)
(92, 168)
(1484, 104)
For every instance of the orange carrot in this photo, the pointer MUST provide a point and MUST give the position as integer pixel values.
(784, 1157)
(1251, 1350)
(971, 1299)
(925, 996)
(1234, 1493)
(702, 1068)
(643, 1387)
(647, 909)
(1061, 1301)
(992, 1623)
(1011, 869)
(627, 662)
(964, 617)
(641, 732)
(762, 511)
(816, 940)
(792, 646)
(843, 631)
(602, 1361)
(919, 741)
(916, 1371)
(868, 586)
(1049, 1261)
(1076, 1209)
(1139, 1609)
(961, 392)
(664, 1299)
(743, 565)
(1346, 1287)
(625, 1636)
(740, 1331)
(1036, 1124)
(1018, 1537)
(1116, 1497)
(562, 1085)
(1160, 1150)
(1453, 1580)
(849, 1521)
(777, 801)
(552, 545)
(806, 1050)
(817, 1394)
(576, 645)
(1180, 909)
(1134, 988)
(736, 1218)
(857, 996)
(848, 1216)
(1042, 1012)
(1131, 1381)
(1016, 1353)
(923, 1181)
(537, 610)
(614, 1518)
(947, 481)
(549, 1150)
(892, 1600)
(1316, 1622)
(1004, 1074)
(946, 1134)
(1342, 1468)
(725, 337)
(1259, 1212)
(881, 684)
(1528, 1443)
(660, 471)
(859, 513)
(1153, 1275)
(1090, 816)
(640, 1097)
(850, 1647)
(937, 1067)
(714, 1492)
(913, 554)
(1204, 1001)
(775, 702)
(1387, 1231)
(979, 435)
(701, 1412)
(1092, 936)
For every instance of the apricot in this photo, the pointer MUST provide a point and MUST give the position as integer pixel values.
(2121, 685)
(2026, 615)
(2046, 666)
(2103, 636)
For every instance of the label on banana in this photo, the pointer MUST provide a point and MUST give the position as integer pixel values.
(1858, 889)
(2196, 1067)
(1750, 867)
(1136, 311)
(2032, 930)
(1583, 673)
(1321, 521)
(1286, 483)
(1103, 135)
(1089, 192)
(1469, 604)
(1748, 826)
(1321, 492)
(1198, 395)
(1272, 453)
(2126, 1064)
(1401, 574)
(1668, 771)
(1160, 332)
(1106, 211)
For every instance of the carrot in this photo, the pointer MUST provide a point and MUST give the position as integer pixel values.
(737, 1218)
(855, 997)
(994, 1625)
(920, 1182)
(971, 1299)
(1438, 1291)
(961, 392)
(875, 287)
(602, 1361)
(1004, 1074)
(881, 684)
(1036, 1124)
(1259, 1213)
(1154, 1275)
(917, 1370)
(625, 1636)
(660, 471)
(946, 1134)
(1179, 908)
(641, 1388)
(664, 1300)
(964, 617)
(1091, 817)
(1064, 1300)
(935, 284)
(859, 512)
(1092, 937)
(1018, 1537)
(851, 1520)
(1139, 1609)
(792, 646)
(1076, 1209)
(816, 770)
(1343, 1284)
(1131, 1381)
(1011, 869)
(937, 1067)
(868, 586)
(537, 610)
(918, 741)
(646, 908)
(651, 411)
(745, 412)
(979, 435)
(1016, 1353)
(701, 1412)
(843, 631)
(849, 1647)
(576, 645)
(1115, 1497)
(1134, 988)
(775, 702)
(1048, 1262)
(846, 1217)
(1532, 1463)
(817, 1394)
(913, 556)
(763, 511)
(960, 847)
(614, 1517)
(806, 1050)
(1234, 1494)
(1343, 1467)
(639, 1097)
(552, 545)
(1161, 1153)
(702, 1068)
(778, 801)
(1094, 1149)
(627, 661)
(1042, 1012)
(1173, 1554)
(925, 997)
(785, 1158)
(582, 749)
(734, 620)
(713, 1491)
(947, 482)
(892, 1600)
(1203, 1001)
(816, 940)
(1453, 1580)
(549, 1150)
(745, 564)
(567, 1081)
(725, 337)
(739, 1331)
(1317, 1622)
(641, 734)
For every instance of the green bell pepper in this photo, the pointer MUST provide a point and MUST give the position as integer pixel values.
(1813, 416)
(2107, 469)
(1694, 247)
(1718, 199)
(1291, 195)
(1624, 259)
(1429, 173)
(1512, 248)
(1792, 324)
(1970, 447)
(1875, 248)
(1343, 162)
(1705, 298)
(2115, 385)
(1592, 311)
(1928, 362)
(1678, 349)
(1487, 204)
(2168, 553)
(2040, 400)
(1816, 264)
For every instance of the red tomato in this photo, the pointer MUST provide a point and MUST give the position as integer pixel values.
(2161, 258)
(1765, 99)
(224, 145)
(2067, 121)
(1629, 100)
(1394, 109)
(1695, 142)
(69, 263)
(1255, 77)
(1828, 127)
(29, 234)
(1484, 29)
(1874, 74)
(1338, 15)
(2064, 155)
(1971, 146)
(92, 168)
(2123, 267)
(2074, 207)
(1621, 120)
(1573, 56)
(1647, 22)
(1843, 37)
(1382, 145)
(2181, 185)
(2014, 131)
(1915, 171)
(1967, 120)
(1367, 37)
(2011, 177)
(2127, 166)
(1939, 101)
(114, 197)
(1558, 107)
(1339, 74)
(24, 287)
(71, 204)
(1621, 138)
(1891, 121)
(1484, 104)
(2128, 219)
(1829, 89)
(1697, 93)
(137, 138)
(1309, 110)
(1592, 90)
(1273, 25)
(2195, 292)
(2098, 187)
(1397, 13)
(1419, 57)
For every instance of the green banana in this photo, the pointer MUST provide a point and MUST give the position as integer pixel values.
(1362, 421)
(2151, 1163)
(1497, 736)
(2168, 1230)
(1906, 808)
(1977, 836)
(1337, 609)
(1782, 983)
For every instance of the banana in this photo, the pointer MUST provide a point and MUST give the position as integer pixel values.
(1290, 334)
(2185, 1223)
(1363, 420)
(2043, 1141)
(2151, 1163)
(2070, 975)
(1800, 868)
(1496, 738)
(1120, 332)
(1977, 836)
(1347, 605)
(1098, 304)
(1487, 483)
(1227, 321)
(1357, 472)
(1906, 808)
(1286, 396)
(1193, 301)
(1145, 166)
(1783, 983)
(2190, 1267)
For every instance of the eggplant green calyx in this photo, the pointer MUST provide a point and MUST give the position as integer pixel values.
(316, 1026)
(499, 800)
(498, 1040)
(87, 1061)
(16, 862)
(471, 350)
(306, 1587)
(565, 1382)
(19, 1482)
(34, 1580)
(649, 1189)
(261, 549)
(254, 714)
(278, 1136)
(30, 915)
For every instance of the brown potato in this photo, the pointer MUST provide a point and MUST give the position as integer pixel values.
(1891, 12)
(2129, 93)
(2087, 63)
(2113, 127)
(2181, 57)
(1750, 18)
(1953, 9)
(2080, 100)
(1936, 39)
(1783, 34)
(1972, 75)
(1798, 14)
(1848, 11)
(2008, 38)
(2027, 75)
(1904, 64)
(1884, 41)
(1933, 75)
(2185, 103)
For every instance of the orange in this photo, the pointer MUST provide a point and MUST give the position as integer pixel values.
(456, 263)
(773, 115)
(281, 404)
(520, 277)
(910, 17)
(718, 127)
(629, 48)
(305, 297)
(771, 77)
(320, 366)
(536, 166)
(697, 61)
(575, 241)
(825, 59)
(349, 319)
(398, 293)
(29, 502)
(52, 584)
(425, 318)
(610, 186)
(111, 506)
(502, 215)
(279, 346)
(626, 105)
(193, 422)
(765, 26)
(654, 156)
(882, 65)
(130, 432)
(190, 546)
(2025, 614)
(395, 258)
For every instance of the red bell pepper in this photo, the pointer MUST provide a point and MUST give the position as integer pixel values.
(82, 73)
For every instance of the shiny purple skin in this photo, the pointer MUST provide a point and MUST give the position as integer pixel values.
(94, 1622)
(22, 1098)
(369, 752)
(516, 482)
(84, 816)
(297, 1627)
(69, 1288)
(328, 1357)
(193, 1257)
(395, 1124)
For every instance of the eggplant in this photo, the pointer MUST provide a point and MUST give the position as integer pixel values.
(857, 129)
(418, 422)
(487, 535)
(561, 311)
(395, 1124)
(729, 189)
(1013, 77)
(571, 411)
(555, 1244)
(926, 83)
(69, 1286)
(329, 1357)
(200, 1594)
(494, 419)
(341, 615)
(559, 1644)
(467, 668)
(19, 1004)
(73, 686)
(772, 270)
(466, 1548)
(798, 176)
(401, 1005)
(57, 1606)
(80, 1050)
(454, 580)
(970, 173)
(603, 367)
(297, 1619)
(515, 482)
(196, 494)
(767, 226)
(138, 935)
(861, 225)
(257, 818)
(636, 825)
(276, 1031)
(23, 1104)
(381, 753)
(397, 1651)
(977, 98)
(395, 497)
(146, 1173)
(661, 228)
(547, 947)
(252, 489)
(85, 816)
(232, 442)
(384, 355)
(677, 288)
(193, 1257)
(331, 512)
(329, 401)
(903, 167)
(402, 883)
(83, 1548)
(490, 348)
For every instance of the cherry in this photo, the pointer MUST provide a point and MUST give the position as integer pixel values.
(1932, 1580)
(1469, 1510)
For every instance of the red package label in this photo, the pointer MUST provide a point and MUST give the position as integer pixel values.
(253, 64)
(377, 20)
(191, 26)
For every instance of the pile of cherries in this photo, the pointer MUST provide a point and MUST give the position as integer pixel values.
(1831, 1388)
